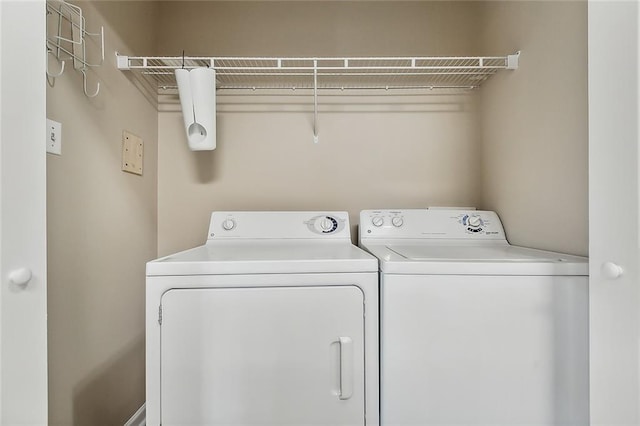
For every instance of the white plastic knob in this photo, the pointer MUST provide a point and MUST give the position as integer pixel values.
(326, 224)
(397, 221)
(20, 276)
(377, 221)
(228, 224)
(611, 270)
(474, 221)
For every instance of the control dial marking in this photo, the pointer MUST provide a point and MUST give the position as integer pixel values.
(473, 223)
(228, 224)
(397, 221)
(326, 224)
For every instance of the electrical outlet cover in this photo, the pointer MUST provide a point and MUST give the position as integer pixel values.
(132, 153)
(54, 137)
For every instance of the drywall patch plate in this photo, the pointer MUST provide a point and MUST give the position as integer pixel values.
(132, 153)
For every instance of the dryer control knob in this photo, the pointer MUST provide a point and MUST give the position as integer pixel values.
(377, 220)
(326, 224)
(228, 224)
(397, 221)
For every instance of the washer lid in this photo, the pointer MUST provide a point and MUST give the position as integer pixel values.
(497, 253)
(481, 259)
(265, 257)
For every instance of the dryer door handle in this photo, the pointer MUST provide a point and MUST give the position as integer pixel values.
(346, 367)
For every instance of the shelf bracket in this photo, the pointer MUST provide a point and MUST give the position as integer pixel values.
(315, 101)
(512, 61)
(122, 62)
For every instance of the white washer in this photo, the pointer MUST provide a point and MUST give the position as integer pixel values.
(273, 321)
(475, 331)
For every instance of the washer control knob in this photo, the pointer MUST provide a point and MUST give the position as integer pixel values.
(228, 224)
(397, 221)
(377, 221)
(474, 221)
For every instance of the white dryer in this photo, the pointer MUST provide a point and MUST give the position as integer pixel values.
(273, 321)
(475, 331)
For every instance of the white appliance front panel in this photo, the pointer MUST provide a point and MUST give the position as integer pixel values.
(263, 355)
(484, 350)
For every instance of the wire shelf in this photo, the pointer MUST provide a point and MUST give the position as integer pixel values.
(158, 73)
(325, 73)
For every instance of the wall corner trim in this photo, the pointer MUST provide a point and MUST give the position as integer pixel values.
(139, 418)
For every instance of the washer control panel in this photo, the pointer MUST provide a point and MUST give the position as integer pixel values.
(430, 224)
(387, 218)
(278, 225)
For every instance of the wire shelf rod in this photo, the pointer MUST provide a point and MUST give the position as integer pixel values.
(341, 88)
(433, 74)
(328, 58)
(324, 68)
(320, 64)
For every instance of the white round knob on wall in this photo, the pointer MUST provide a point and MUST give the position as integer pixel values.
(611, 270)
(228, 224)
(397, 221)
(377, 221)
(20, 276)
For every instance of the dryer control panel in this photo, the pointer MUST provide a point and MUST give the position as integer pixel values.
(279, 225)
(431, 224)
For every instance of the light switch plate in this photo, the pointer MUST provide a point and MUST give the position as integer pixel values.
(54, 137)
(132, 153)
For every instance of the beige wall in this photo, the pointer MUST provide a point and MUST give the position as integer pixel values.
(372, 154)
(534, 124)
(101, 231)
(318, 28)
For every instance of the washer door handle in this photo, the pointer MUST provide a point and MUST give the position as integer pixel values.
(346, 367)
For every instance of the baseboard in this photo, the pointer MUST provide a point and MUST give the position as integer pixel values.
(139, 418)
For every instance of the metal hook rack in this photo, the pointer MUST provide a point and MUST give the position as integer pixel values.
(54, 74)
(67, 40)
